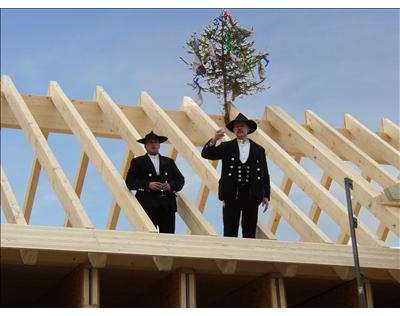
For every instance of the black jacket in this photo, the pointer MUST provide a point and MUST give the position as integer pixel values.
(228, 152)
(142, 172)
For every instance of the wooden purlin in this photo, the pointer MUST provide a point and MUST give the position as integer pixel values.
(295, 217)
(309, 185)
(334, 166)
(68, 198)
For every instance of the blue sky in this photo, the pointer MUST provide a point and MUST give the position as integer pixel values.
(332, 61)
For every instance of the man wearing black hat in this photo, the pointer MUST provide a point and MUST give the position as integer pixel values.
(244, 182)
(156, 179)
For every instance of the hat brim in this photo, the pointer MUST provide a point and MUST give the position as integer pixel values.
(161, 139)
(251, 124)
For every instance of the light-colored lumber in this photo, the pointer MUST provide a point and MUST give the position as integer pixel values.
(390, 132)
(287, 270)
(315, 210)
(97, 260)
(133, 210)
(68, 198)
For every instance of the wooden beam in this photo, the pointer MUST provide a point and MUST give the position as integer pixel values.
(295, 217)
(68, 198)
(97, 260)
(163, 263)
(32, 185)
(286, 186)
(315, 210)
(226, 266)
(50, 120)
(343, 147)
(202, 196)
(310, 186)
(389, 132)
(79, 178)
(133, 210)
(9, 203)
(286, 270)
(115, 209)
(194, 248)
(363, 191)
(192, 218)
(369, 142)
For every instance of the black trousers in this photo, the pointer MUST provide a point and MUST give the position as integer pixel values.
(163, 218)
(231, 214)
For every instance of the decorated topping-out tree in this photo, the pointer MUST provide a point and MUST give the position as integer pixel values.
(225, 62)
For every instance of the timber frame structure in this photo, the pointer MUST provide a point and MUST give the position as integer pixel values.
(81, 266)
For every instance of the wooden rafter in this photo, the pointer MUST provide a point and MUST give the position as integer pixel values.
(369, 142)
(130, 136)
(341, 146)
(9, 203)
(133, 210)
(307, 229)
(309, 185)
(363, 191)
(68, 198)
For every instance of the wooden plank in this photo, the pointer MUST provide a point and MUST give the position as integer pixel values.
(9, 203)
(112, 178)
(303, 225)
(192, 247)
(369, 297)
(390, 132)
(344, 148)
(32, 185)
(68, 198)
(79, 178)
(363, 191)
(370, 142)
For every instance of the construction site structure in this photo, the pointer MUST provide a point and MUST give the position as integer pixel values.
(79, 265)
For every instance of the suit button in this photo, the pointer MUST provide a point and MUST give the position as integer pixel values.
(239, 171)
(229, 174)
(258, 178)
(150, 174)
(166, 173)
(258, 169)
(232, 158)
(239, 167)
(231, 167)
(247, 180)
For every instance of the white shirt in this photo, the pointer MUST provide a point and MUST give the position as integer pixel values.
(155, 159)
(244, 149)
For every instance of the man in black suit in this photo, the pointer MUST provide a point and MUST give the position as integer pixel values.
(156, 179)
(244, 182)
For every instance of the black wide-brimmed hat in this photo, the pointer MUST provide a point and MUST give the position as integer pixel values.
(241, 118)
(152, 135)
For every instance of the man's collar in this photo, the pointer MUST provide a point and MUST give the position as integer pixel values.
(242, 141)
